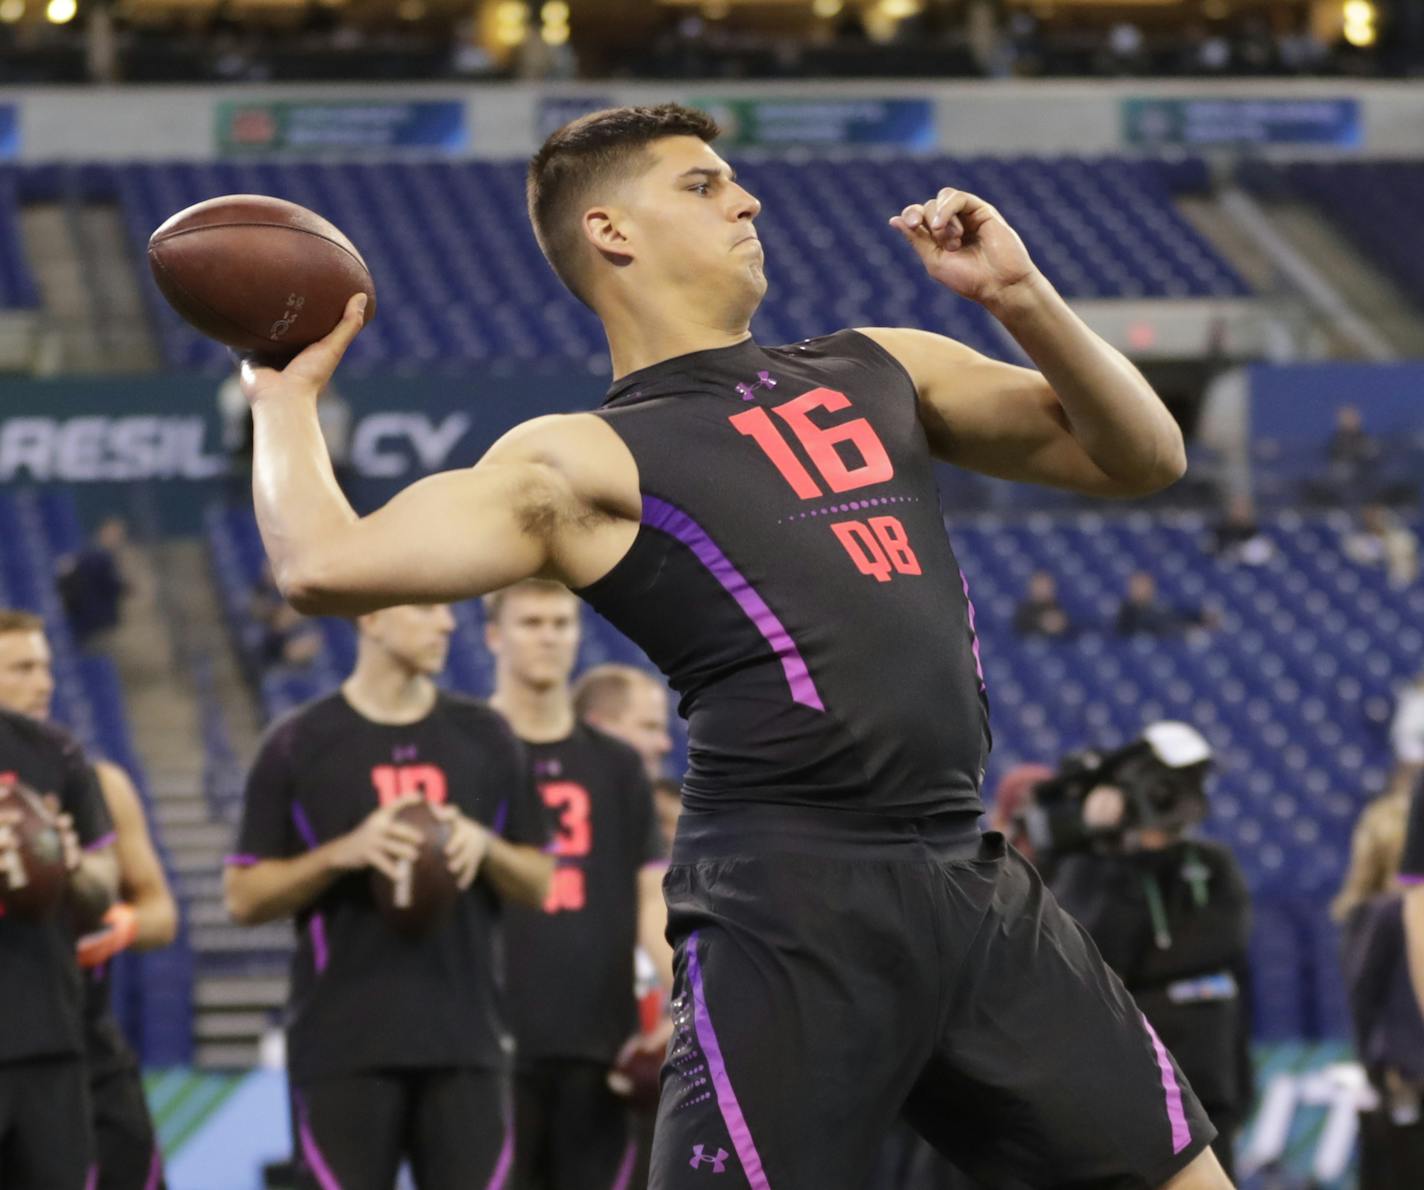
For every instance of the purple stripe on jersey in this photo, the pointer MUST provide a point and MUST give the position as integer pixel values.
(320, 955)
(624, 1175)
(102, 841)
(973, 635)
(155, 1170)
(242, 860)
(1411, 880)
(721, 1081)
(1181, 1130)
(91, 1179)
(311, 1152)
(505, 1160)
(501, 817)
(659, 514)
(303, 825)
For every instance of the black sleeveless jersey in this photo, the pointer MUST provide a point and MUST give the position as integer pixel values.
(793, 580)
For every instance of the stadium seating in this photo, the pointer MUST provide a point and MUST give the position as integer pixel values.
(1295, 690)
(462, 282)
(18, 290)
(1383, 199)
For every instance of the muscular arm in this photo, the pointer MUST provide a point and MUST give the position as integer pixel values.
(652, 922)
(555, 497)
(518, 873)
(275, 888)
(141, 880)
(1087, 422)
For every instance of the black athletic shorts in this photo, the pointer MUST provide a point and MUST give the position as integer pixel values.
(124, 1141)
(571, 1132)
(46, 1131)
(453, 1125)
(834, 973)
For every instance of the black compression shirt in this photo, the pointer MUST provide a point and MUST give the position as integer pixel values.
(40, 988)
(793, 579)
(365, 997)
(570, 975)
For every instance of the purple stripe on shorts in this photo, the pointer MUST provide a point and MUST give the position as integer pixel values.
(242, 860)
(91, 1179)
(658, 514)
(155, 1170)
(101, 842)
(311, 1152)
(973, 634)
(721, 1081)
(1181, 1130)
(317, 928)
(624, 1176)
(303, 824)
(505, 1160)
(1410, 880)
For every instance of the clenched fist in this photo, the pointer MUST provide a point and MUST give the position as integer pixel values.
(966, 245)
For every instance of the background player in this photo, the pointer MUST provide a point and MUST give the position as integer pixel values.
(145, 918)
(46, 1128)
(686, 516)
(570, 967)
(629, 704)
(395, 1044)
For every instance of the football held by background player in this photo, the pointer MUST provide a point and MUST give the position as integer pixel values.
(126, 1146)
(395, 1041)
(764, 523)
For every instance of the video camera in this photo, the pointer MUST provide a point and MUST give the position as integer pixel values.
(1162, 775)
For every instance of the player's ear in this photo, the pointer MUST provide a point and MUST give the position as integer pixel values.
(606, 229)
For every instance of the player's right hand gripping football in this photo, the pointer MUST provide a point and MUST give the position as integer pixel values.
(312, 368)
(381, 842)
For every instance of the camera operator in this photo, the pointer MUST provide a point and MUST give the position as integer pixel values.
(1169, 910)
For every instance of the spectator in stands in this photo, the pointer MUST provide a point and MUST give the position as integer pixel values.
(1238, 536)
(630, 704)
(1040, 613)
(288, 637)
(91, 581)
(1351, 456)
(1382, 539)
(1142, 611)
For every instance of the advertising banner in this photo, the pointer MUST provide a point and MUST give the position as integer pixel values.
(340, 126)
(898, 123)
(1240, 123)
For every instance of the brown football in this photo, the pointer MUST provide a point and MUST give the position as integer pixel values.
(34, 880)
(425, 889)
(260, 274)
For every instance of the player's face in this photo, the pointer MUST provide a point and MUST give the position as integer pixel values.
(643, 726)
(26, 673)
(417, 636)
(690, 225)
(537, 637)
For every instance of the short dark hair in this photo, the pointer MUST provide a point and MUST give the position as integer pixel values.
(588, 153)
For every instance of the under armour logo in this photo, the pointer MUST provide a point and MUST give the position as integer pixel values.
(719, 1162)
(763, 380)
(548, 768)
(409, 752)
